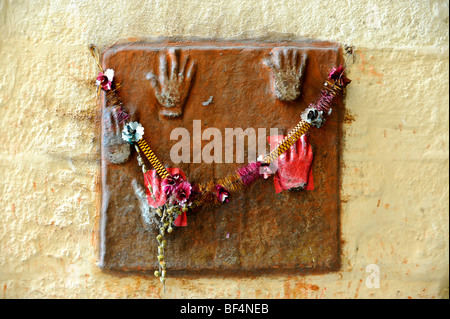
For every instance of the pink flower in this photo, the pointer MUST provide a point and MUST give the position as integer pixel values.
(170, 183)
(182, 192)
(105, 80)
(222, 194)
(337, 74)
(195, 193)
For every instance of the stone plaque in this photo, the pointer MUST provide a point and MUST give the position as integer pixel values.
(229, 85)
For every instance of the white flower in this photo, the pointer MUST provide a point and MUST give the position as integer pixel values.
(132, 132)
(105, 79)
(109, 73)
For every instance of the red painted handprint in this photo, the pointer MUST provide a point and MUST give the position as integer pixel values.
(294, 169)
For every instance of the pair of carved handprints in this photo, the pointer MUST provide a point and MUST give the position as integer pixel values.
(172, 86)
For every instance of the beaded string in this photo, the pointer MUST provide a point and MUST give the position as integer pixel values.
(302, 127)
(94, 51)
(250, 173)
(244, 176)
(122, 117)
(166, 220)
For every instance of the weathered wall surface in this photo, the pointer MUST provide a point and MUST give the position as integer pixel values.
(395, 185)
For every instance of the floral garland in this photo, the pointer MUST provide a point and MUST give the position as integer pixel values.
(179, 196)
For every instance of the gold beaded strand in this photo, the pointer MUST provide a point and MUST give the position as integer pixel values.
(160, 169)
(301, 128)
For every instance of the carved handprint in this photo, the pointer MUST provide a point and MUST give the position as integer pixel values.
(148, 213)
(172, 85)
(117, 151)
(287, 69)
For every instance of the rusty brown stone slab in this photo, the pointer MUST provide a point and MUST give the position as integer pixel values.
(258, 230)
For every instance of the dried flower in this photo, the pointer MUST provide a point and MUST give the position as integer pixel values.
(222, 194)
(132, 132)
(105, 79)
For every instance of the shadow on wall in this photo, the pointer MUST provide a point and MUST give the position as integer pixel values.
(443, 289)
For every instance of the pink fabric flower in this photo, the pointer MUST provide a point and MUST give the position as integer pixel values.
(223, 195)
(154, 186)
(182, 192)
(105, 79)
(170, 183)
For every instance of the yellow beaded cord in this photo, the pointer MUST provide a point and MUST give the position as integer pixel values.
(301, 128)
(160, 169)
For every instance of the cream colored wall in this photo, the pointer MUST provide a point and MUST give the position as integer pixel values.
(396, 156)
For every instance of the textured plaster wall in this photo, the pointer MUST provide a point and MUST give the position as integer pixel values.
(395, 187)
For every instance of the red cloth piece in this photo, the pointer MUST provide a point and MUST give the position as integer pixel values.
(181, 220)
(294, 165)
